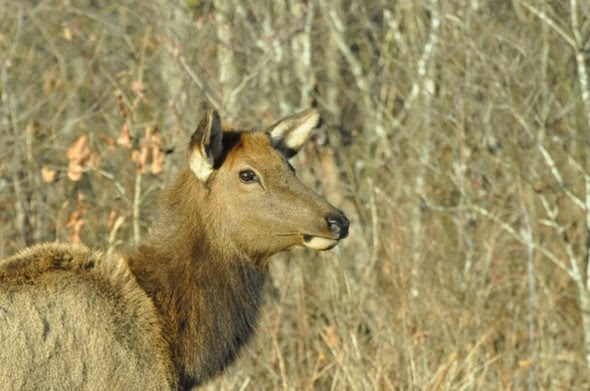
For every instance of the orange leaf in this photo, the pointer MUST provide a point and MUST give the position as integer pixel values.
(140, 158)
(82, 204)
(48, 174)
(74, 216)
(142, 161)
(77, 154)
(158, 158)
(77, 229)
(524, 363)
(137, 86)
(75, 171)
(76, 222)
(124, 138)
(149, 130)
(79, 150)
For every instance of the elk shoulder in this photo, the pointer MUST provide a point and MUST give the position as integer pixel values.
(102, 325)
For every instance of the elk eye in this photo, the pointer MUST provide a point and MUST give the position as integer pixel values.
(248, 176)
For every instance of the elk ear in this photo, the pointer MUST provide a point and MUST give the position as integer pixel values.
(206, 145)
(289, 134)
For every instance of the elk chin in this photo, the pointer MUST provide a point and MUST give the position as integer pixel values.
(319, 243)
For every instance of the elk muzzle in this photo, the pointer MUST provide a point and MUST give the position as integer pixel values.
(337, 224)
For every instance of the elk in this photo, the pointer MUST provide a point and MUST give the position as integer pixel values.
(174, 312)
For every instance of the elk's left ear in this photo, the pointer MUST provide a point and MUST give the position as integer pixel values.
(206, 146)
(289, 134)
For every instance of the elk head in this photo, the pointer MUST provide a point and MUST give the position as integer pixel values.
(253, 199)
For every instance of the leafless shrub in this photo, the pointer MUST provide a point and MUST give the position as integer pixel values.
(462, 146)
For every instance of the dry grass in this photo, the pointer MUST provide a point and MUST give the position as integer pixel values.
(434, 112)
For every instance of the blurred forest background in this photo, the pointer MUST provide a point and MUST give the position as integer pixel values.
(455, 136)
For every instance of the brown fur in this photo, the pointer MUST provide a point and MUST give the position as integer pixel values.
(59, 304)
(176, 311)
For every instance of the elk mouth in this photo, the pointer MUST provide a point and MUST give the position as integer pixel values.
(319, 243)
(338, 226)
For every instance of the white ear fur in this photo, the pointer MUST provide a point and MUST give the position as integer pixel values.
(206, 145)
(291, 133)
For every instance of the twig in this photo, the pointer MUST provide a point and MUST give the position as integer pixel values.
(113, 234)
(355, 66)
(550, 22)
(202, 86)
(277, 348)
(580, 60)
(576, 277)
(421, 80)
(112, 177)
(557, 175)
(246, 79)
(550, 162)
(532, 290)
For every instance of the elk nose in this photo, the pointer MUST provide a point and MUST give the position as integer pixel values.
(338, 225)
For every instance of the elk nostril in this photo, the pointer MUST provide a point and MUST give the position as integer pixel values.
(338, 225)
(334, 226)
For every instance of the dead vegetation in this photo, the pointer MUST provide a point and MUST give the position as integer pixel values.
(458, 143)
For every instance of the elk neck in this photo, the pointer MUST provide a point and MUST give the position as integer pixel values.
(206, 293)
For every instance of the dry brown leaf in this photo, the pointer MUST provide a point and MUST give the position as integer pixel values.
(75, 221)
(75, 171)
(158, 158)
(156, 140)
(143, 157)
(77, 155)
(140, 158)
(79, 150)
(135, 155)
(48, 174)
(111, 145)
(153, 141)
(124, 139)
(93, 160)
(77, 229)
(137, 86)
(72, 218)
(122, 105)
(524, 363)
(82, 204)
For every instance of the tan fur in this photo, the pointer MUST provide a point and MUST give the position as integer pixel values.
(175, 312)
(73, 319)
